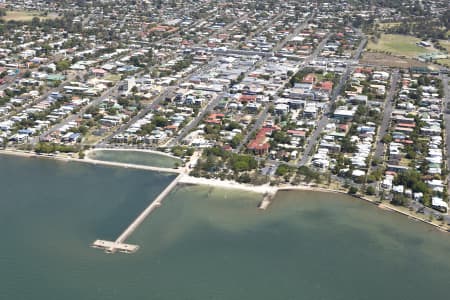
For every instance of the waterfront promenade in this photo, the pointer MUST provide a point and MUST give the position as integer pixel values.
(131, 166)
(130, 149)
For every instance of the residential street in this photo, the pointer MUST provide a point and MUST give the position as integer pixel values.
(388, 106)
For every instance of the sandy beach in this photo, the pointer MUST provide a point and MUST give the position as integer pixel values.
(227, 184)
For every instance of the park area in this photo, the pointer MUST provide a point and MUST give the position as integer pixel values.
(25, 16)
(383, 59)
(396, 44)
(446, 45)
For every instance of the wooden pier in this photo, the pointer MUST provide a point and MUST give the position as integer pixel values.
(119, 244)
(111, 247)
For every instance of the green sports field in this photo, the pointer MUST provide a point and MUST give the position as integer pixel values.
(25, 16)
(397, 44)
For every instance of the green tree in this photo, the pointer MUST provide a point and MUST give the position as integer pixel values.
(81, 155)
(62, 65)
(400, 200)
(282, 170)
(160, 121)
(241, 163)
(352, 190)
(370, 190)
(387, 138)
(236, 140)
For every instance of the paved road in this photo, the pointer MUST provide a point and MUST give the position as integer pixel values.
(379, 150)
(446, 118)
(417, 206)
(216, 100)
(313, 139)
(316, 51)
(86, 20)
(360, 48)
(265, 26)
(224, 29)
(108, 93)
(8, 80)
(167, 93)
(233, 51)
(263, 116)
(259, 122)
(310, 58)
(186, 129)
(69, 78)
(289, 37)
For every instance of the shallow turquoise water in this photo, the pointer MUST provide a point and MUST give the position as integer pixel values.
(203, 243)
(135, 157)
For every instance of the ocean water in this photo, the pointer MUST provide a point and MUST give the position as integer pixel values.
(203, 243)
(135, 157)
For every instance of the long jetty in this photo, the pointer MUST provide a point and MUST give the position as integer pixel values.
(119, 244)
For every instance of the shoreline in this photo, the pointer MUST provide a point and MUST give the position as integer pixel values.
(61, 158)
(92, 150)
(226, 184)
(392, 208)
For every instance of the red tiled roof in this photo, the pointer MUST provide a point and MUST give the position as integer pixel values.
(217, 116)
(162, 28)
(363, 70)
(171, 127)
(326, 85)
(259, 142)
(408, 142)
(310, 78)
(98, 71)
(213, 121)
(407, 125)
(247, 98)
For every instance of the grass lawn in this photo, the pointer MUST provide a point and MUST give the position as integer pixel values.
(113, 77)
(405, 162)
(397, 44)
(25, 16)
(388, 25)
(91, 139)
(382, 59)
(445, 62)
(445, 44)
